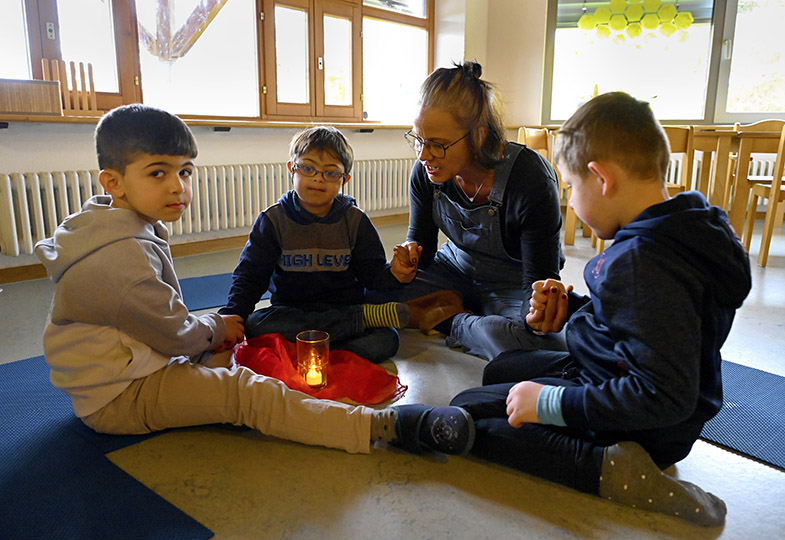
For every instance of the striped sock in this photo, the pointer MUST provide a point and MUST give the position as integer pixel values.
(391, 314)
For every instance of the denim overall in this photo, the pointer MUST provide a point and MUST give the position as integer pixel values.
(475, 263)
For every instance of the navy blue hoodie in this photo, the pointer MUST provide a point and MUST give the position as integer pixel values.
(647, 343)
(308, 261)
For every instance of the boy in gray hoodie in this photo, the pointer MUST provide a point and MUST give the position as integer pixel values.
(123, 346)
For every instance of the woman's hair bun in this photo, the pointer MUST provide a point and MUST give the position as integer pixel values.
(473, 68)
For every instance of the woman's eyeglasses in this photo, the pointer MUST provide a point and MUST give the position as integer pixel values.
(310, 172)
(437, 150)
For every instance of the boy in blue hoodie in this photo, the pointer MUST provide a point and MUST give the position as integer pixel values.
(317, 252)
(124, 348)
(642, 371)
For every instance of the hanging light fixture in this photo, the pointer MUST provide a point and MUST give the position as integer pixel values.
(632, 17)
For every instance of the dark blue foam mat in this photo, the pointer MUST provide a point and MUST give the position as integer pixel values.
(55, 481)
(207, 292)
(752, 418)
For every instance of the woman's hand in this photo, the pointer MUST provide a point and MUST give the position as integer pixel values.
(522, 404)
(548, 305)
(404, 262)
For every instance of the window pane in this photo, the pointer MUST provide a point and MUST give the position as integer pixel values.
(199, 57)
(415, 8)
(389, 98)
(757, 73)
(87, 35)
(291, 55)
(651, 60)
(337, 61)
(15, 60)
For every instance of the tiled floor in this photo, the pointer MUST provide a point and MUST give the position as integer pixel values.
(246, 486)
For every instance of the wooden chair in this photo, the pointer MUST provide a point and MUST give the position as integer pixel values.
(759, 138)
(717, 145)
(539, 140)
(78, 99)
(681, 142)
(775, 193)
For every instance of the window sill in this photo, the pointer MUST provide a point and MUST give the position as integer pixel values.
(8, 118)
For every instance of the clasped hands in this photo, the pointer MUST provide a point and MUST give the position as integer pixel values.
(404, 262)
(548, 311)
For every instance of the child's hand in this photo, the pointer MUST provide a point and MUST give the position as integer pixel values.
(235, 332)
(404, 262)
(522, 404)
(548, 305)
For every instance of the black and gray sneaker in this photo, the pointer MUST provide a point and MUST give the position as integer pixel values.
(449, 430)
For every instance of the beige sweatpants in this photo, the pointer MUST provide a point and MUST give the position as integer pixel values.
(186, 394)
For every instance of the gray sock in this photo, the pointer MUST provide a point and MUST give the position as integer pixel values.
(383, 425)
(630, 477)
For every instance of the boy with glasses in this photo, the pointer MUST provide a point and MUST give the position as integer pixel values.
(317, 252)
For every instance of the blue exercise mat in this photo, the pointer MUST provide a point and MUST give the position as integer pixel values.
(752, 418)
(207, 292)
(55, 481)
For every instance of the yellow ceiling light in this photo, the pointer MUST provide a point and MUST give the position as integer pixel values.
(602, 15)
(634, 29)
(667, 13)
(651, 5)
(683, 20)
(633, 17)
(650, 21)
(617, 22)
(667, 29)
(586, 22)
(634, 12)
(618, 6)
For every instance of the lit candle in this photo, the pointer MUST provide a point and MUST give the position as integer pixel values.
(314, 376)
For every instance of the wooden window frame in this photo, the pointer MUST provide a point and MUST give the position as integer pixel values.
(38, 12)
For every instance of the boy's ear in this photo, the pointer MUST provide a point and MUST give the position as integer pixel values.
(110, 180)
(346, 179)
(606, 174)
(289, 165)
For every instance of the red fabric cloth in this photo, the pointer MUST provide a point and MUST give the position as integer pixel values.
(349, 377)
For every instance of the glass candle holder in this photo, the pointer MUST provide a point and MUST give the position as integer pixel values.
(313, 356)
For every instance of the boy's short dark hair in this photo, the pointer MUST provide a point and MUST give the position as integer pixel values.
(129, 130)
(614, 127)
(323, 138)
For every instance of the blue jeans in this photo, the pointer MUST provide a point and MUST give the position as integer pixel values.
(497, 325)
(343, 323)
(666, 444)
(553, 453)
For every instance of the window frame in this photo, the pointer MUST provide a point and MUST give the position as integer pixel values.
(38, 12)
(723, 29)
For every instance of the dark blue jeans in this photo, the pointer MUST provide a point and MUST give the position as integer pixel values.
(343, 323)
(568, 456)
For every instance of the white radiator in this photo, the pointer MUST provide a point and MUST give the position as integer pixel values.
(226, 199)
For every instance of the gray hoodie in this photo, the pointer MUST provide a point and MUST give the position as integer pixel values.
(117, 313)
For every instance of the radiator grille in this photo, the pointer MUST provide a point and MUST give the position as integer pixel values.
(226, 199)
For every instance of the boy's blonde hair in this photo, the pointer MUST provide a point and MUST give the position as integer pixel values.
(323, 138)
(614, 127)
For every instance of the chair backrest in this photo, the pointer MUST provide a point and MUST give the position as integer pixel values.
(680, 139)
(779, 166)
(78, 97)
(538, 139)
(766, 145)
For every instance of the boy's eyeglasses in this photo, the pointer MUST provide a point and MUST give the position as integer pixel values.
(437, 150)
(310, 172)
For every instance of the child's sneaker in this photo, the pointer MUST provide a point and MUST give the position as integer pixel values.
(449, 430)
